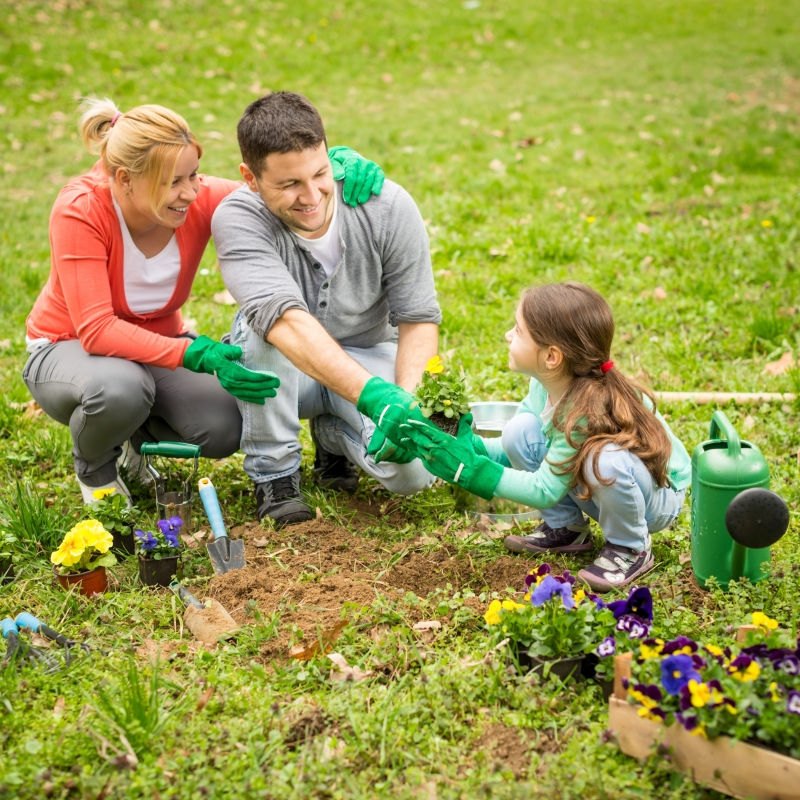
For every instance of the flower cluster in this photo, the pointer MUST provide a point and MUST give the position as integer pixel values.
(751, 693)
(560, 620)
(84, 547)
(164, 543)
(441, 392)
(113, 510)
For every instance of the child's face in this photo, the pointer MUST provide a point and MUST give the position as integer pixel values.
(524, 355)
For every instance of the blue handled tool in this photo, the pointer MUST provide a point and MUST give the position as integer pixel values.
(225, 555)
(19, 650)
(27, 620)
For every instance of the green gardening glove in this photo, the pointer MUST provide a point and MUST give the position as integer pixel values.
(452, 459)
(383, 449)
(362, 178)
(215, 358)
(466, 435)
(377, 396)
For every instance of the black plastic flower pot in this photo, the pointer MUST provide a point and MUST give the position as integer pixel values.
(124, 542)
(158, 572)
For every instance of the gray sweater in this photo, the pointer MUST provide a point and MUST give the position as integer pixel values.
(384, 277)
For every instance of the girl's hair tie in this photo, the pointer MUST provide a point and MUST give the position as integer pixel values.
(606, 367)
(114, 119)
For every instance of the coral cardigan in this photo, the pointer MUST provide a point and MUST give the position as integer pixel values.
(84, 297)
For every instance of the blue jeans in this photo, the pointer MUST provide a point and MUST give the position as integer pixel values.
(270, 433)
(628, 510)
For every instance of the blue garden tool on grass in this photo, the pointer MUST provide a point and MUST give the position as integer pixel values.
(225, 554)
(18, 650)
(26, 620)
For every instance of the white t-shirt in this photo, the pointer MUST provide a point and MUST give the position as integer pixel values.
(149, 282)
(327, 249)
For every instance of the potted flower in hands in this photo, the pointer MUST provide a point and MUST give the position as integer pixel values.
(159, 552)
(116, 514)
(82, 557)
(553, 629)
(441, 395)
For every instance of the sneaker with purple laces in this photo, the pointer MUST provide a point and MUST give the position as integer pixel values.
(544, 539)
(616, 566)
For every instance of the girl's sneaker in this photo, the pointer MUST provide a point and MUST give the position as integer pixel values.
(616, 566)
(544, 539)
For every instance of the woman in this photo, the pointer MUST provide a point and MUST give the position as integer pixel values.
(109, 352)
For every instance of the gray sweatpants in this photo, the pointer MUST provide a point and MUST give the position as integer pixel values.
(106, 400)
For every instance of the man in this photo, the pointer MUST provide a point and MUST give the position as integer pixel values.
(338, 301)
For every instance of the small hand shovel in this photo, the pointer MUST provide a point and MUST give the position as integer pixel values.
(225, 554)
(754, 518)
(209, 622)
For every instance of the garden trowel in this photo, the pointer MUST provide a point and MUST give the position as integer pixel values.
(224, 553)
(209, 622)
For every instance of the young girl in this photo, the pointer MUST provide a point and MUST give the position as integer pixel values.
(585, 441)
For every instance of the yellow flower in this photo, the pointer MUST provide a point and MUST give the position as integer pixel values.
(642, 699)
(774, 692)
(700, 730)
(435, 365)
(752, 671)
(590, 219)
(766, 223)
(764, 622)
(86, 535)
(714, 649)
(702, 694)
(651, 651)
(99, 494)
(492, 615)
(579, 596)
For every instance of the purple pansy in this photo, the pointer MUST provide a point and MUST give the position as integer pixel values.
(677, 671)
(607, 647)
(793, 702)
(550, 587)
(170, 528)
(680, 643)
(785, 660)
(639, 603)
(634, 626)
(146, 539)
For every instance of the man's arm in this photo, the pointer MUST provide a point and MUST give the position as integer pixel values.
(417, 343)
(301, 338)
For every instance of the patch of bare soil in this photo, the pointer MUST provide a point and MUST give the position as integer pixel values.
(511, 748)
(308, 572)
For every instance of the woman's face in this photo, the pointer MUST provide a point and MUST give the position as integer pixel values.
(181, 191)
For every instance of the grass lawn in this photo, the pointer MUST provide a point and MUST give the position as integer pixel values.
(649, 150)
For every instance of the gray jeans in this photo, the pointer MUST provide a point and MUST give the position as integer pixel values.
(106, 401)
(270, 433)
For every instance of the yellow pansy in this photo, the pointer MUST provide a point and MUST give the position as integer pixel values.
(651, 651)
(761, 620)
(492, 615)
(702, 694)
(99, 494)
(435, 365)
(751, 672)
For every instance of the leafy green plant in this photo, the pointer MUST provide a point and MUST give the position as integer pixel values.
(441, 394)
(113, 510)
(26, 516)
(85, 546)
(138, 705)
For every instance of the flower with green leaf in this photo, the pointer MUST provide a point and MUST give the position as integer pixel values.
(84, 547)
(113, 510)
(441, 391)
(163, 543)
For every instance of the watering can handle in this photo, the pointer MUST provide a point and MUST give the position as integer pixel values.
(719, 422)
(170, 449)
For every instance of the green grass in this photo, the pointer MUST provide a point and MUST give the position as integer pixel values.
(650, 150)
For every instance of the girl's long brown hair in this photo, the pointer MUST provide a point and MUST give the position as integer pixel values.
(599, 408)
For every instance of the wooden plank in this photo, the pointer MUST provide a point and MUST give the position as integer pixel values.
(734, 768)
(724, 397)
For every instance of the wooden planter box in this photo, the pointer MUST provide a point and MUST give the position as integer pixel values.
(732, 767)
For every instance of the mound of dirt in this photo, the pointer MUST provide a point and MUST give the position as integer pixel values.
(309, 572)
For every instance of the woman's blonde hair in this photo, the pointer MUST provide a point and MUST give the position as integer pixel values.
(601, 407)
(146, 141)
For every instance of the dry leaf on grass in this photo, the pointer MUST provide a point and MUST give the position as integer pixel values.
(346, 673)
(58, 708)
(779, 367)
(323, 643)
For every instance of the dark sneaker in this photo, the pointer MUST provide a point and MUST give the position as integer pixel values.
(332, 471)
(616, 566)
(281, 501)
(544, 539)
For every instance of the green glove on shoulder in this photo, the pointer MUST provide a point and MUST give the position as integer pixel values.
(362, 178)
(216, 358)
(452, 459)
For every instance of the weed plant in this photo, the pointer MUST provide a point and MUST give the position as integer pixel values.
(649, 150)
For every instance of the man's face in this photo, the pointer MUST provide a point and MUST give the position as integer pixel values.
(298, 188)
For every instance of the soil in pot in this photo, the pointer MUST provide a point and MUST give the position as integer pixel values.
(158, 572)
(447, 424)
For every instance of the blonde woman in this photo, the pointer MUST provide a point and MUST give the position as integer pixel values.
(109, 352)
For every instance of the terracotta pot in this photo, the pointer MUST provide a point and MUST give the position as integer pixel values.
(157, 572)
(90, 583)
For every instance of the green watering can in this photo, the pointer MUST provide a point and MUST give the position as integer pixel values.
(735, 518)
